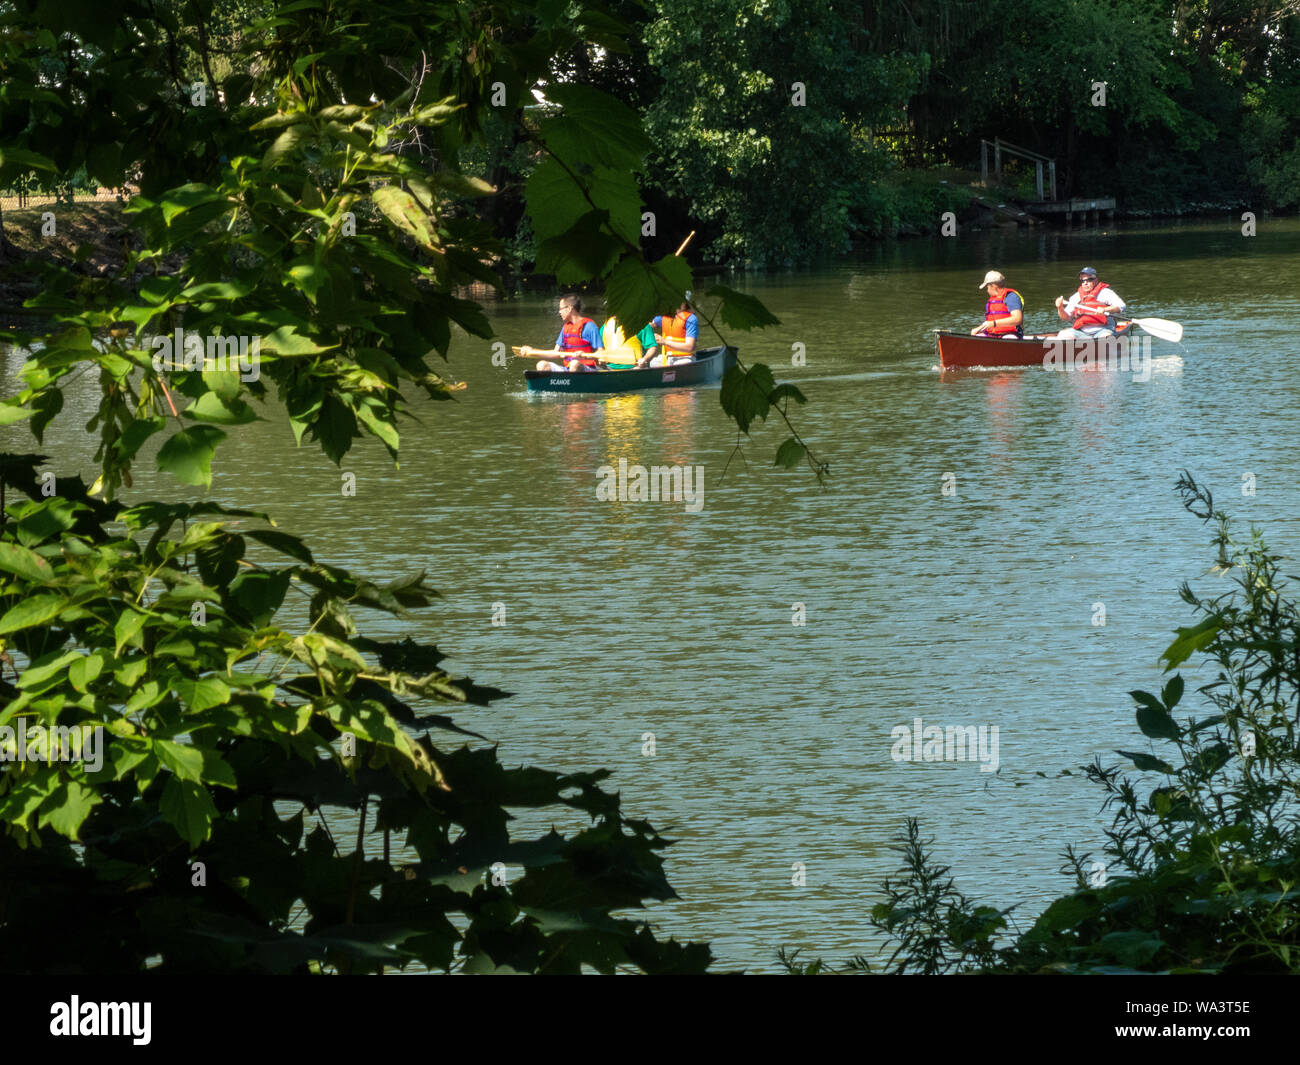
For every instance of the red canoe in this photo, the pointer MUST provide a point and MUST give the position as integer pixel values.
(961, 351)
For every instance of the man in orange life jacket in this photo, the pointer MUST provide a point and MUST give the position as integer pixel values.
(1090, 310)
(1004, 313)
(676, 336)
(578, 338)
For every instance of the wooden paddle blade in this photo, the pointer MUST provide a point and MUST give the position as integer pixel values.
(1161, 328)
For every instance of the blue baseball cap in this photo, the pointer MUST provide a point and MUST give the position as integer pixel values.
(1087, 271)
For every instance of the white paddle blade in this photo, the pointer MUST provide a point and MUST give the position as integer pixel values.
(1160, 327)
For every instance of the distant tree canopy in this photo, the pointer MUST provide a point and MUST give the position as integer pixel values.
(1201, 108)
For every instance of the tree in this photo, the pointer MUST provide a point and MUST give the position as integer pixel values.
(758, 126)
(236, 717)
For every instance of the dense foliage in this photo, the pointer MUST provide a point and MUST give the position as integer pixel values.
(240, 728)
(1201, 109)
(301, 188)
(1202, 863)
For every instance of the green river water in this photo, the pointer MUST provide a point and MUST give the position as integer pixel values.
(773, 740)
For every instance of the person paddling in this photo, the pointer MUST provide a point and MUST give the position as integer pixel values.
(1089, 310)
(578, 338)
(1004, 313)
(677, 337)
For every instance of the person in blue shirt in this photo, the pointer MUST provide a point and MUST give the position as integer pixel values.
(1004, 312)
(578, 339)
(676, 336)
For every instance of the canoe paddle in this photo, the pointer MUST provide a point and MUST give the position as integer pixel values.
(518, 353)
(1158, 327)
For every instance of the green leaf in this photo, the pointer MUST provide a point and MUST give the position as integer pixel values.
(212, 408)
(186, 762)
(216, 770)
(634, 293)
(216, 290)
(46, 668)
(285, 144)
(790, 453)
(68, 807)
(400, 208)
(376, 421)
(24, 563)
(202, 694)
(47, 520)
(1146, 762)
(260, 594)
(126, 631)
(1173, 691)
(310, 277)
(282, 542)
(587, 250)
(556, 202)
(11, 412)
(1190, 640)
(19, 159)
(188, 806)
(179, 200)
(781, 392)
(286, 340)
(744, 394)
(595, 126)
(85, 669)
(29, 613)
(741, 311)
(1157, 724)
(188, 454)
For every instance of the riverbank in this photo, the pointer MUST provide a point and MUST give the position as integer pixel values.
(93, 238)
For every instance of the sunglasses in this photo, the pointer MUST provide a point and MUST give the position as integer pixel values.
(1087, 280)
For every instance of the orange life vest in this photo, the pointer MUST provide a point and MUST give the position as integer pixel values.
(997, 308)
(1094, 311)
(571, 339)
(676, 328)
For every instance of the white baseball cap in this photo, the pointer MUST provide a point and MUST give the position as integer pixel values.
(991, 278)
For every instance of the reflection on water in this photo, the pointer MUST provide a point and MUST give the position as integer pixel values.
(972, 608)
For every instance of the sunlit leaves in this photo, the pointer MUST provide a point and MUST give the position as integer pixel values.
(188, 807)
(321, 234)
(404, 212)
(1190, 640)
(37, 610)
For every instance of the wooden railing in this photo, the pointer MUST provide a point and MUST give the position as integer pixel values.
(1037, 158)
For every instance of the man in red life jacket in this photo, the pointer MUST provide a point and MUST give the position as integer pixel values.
(578, 339)
(1004, 313)
(1090, 311)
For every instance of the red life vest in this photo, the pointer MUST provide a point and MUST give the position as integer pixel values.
(997, 308)
(1094, 311)
(571, 339)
